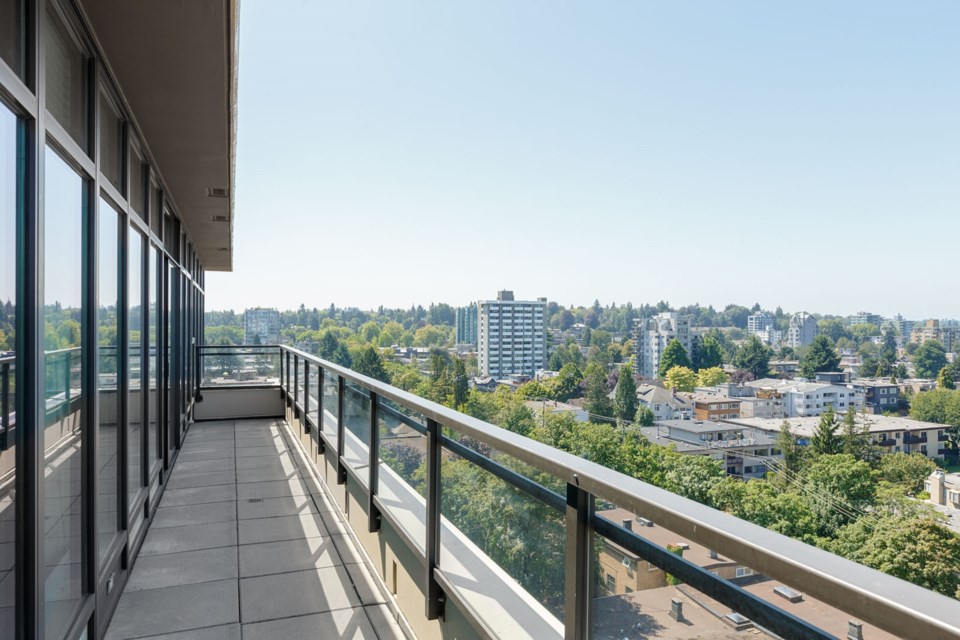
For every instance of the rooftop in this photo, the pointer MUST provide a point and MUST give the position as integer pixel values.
(807, 425)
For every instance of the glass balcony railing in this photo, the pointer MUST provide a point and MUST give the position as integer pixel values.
(525, 540)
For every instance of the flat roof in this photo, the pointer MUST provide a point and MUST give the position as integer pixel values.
(806, 426)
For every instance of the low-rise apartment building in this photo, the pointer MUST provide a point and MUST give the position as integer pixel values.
(891, 434)
(715, 407)
(742, 452)
(665, 404)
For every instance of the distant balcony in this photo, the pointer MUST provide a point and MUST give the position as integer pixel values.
(511, 549)
(912, 439)
(887, 442)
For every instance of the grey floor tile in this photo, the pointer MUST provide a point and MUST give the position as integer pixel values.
(192, 606)
(195, 514)
(203, 479)
(294, 594)
(307, 525)
(284, 462)
(195, 454)
(271, 489)
(345, 624)
(190, 538)
(205, 466)
(198, 495)
(221, 632)
(261, 451)
(273, 507)
(287, 555)
(175, 569)
(261, 475)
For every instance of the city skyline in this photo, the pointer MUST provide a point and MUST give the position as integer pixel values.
(792, 155)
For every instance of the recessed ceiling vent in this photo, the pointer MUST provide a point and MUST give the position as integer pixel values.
(219, 218)
(216, 192)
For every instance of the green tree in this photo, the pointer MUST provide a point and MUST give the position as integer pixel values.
(368, 362)
(711, 377)
(855, 438)
(820, 356)
(708, 353)
(945, 378)
(907, 470)
(929, 359)
(931, 406)
(692, 476)
(567, 383)
(767, 505)
(625, 398)
(900, 372)
(825, 440)
(791, 450)
(645, 416)
(680, 379)
(461, 386)
(69, 333)
(838, 489)
(753, 356)
(674, 355)
(596, 397)
(914, 548)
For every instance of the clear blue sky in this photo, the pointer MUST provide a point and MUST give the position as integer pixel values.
(395, 152)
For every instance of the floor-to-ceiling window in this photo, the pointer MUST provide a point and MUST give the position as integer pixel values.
(108, 377)
(153, 411)
(135, 361)
(62, 311)
(9, 181)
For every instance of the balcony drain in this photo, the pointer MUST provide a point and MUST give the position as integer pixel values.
(254, 499)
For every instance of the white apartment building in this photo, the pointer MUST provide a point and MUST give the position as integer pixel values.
(261, 326)
(813, 398)
(652, 335)
(760, 321)
(802, 331)
(512, 336)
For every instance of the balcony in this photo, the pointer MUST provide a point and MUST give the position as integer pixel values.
(335, 499)
(909, 438)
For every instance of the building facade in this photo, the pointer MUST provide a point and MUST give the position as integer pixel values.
(467, 325)
(802, 330)
(652, 335)
(512, 336)
(864, 317)
(760, 321)
(115, 200)
(261, 326)
(929, 330)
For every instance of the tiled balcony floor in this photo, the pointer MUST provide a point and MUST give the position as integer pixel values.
(241, 547)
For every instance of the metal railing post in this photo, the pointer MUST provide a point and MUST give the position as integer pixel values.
(373, 468)
(435, 597)
(578, 584)
(341, 469)
(321, 446)
(306, 396)
(296, 386)
(4, 405)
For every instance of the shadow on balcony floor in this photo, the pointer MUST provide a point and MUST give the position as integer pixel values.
(239, 543)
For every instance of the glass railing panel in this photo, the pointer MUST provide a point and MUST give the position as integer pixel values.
(239, 366)
(403, 467)
(313, 394)
(356, 421)
(635, 589)
(523, 536)
(330, 404)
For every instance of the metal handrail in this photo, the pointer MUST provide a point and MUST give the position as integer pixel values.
(890, 603)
